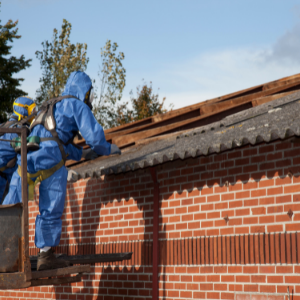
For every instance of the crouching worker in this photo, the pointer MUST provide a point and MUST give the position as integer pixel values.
(55, 125)
(23, 107)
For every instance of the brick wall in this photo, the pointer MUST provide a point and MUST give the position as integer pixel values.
(225, 231)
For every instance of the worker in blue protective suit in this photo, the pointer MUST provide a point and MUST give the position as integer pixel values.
(22, 108)
(71, 113)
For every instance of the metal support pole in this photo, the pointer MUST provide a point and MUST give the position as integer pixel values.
(25, 221)
(155, 260)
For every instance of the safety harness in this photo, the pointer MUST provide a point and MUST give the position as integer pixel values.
(46, 118)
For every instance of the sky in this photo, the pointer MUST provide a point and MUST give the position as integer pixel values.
(191, 50)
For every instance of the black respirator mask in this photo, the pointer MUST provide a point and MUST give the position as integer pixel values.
(89, 97)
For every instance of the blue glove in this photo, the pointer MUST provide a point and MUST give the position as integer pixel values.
(115, 149)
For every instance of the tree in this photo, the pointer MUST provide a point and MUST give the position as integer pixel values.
(9, 85)
(112, 82)
(58, 60)
(145, 104)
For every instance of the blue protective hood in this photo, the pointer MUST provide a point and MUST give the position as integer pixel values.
(78, 85)
(22, 110)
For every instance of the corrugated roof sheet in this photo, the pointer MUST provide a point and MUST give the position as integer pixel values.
(278, 119)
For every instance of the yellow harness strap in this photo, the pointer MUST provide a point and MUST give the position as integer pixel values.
(40, 176)
(3, 169)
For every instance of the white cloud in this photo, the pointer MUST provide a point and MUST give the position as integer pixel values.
(215, 74)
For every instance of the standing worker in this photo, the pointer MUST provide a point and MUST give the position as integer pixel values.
(22, 108)
(55, 125)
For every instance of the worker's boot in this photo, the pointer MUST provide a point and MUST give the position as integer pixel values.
(47, 261)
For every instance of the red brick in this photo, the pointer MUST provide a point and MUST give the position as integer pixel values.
(258, 210)
(266, 183)
(192, 286)
(199, 200)
(275, 228)
(242, 297)
(213, 278)
(222, 205)
(266, 201)
(275, 279)
(227, 231)
(257, 229)
(242, 212)
(205, 207)
(275, 209)
(229, 196)
(259, 297)
(213, 295)
(229, 213)
(229, 296)
(251, 288)
(213, 215)
(235, 221)
(206, 286)
(220, 287)
(283, 289)
(199, 295)
(252, 202)
(201, 216)
(258, 278)
(235, 269)
(292, 227)
(266, 269)
(242, 278)
(206, 269)
(292, 279)
(250, 269)
(268, 288)
(242, 195)
(236, 187)
(242, 230)
(186, 294)
(234, 204)
(220, 269)
(250, 220)
(292, 189)
(284, 269)
(275, 191)
(211, 232)
(283, 218)
(194, 208)
(236, 288)
(213, 198)
(266, 219)
(227, 278)
(283, 199)
(258, 193)
(205, 224)
(199, 278)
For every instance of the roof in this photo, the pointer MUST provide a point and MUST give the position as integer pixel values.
(259, 114)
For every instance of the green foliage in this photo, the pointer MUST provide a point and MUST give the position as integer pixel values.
(112, 82)
(145, 104)
(9, 66)
(58, 60)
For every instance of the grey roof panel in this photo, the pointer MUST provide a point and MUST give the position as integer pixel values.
(274, 120)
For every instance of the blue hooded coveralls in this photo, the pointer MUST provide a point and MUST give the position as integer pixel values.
(71, 115)
(7, 152)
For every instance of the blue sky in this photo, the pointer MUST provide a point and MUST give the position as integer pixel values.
(192, 50)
